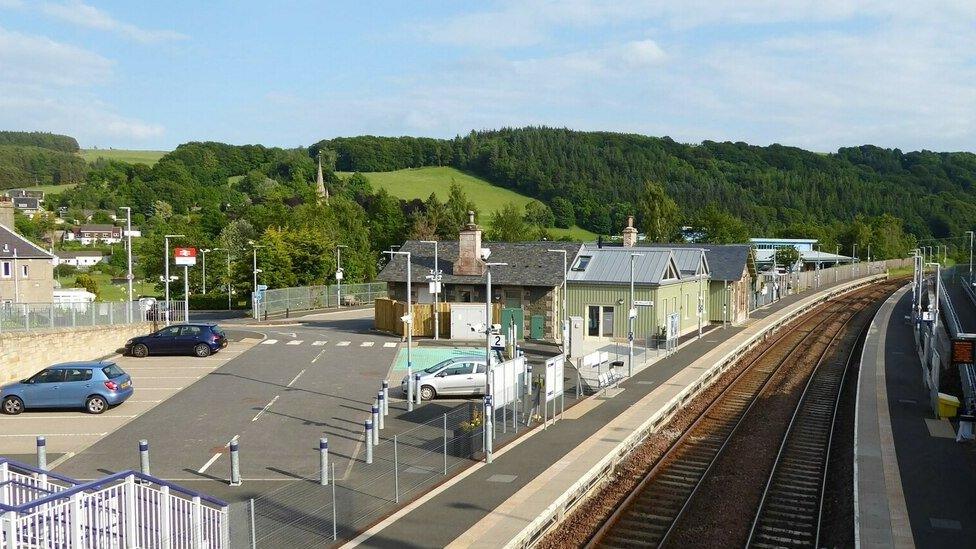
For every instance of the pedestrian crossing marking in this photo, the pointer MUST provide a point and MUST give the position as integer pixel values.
(295, 342)
(343, 343)
(319, 343)
(269, 342)
(366, 344)
(390, 344)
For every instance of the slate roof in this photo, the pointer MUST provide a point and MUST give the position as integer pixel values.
(81, 253)
(103, 227)
(10, 241)
(611, 265)
(26, 203)
(529, 263)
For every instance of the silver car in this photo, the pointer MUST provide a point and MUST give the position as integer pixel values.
(456, 376)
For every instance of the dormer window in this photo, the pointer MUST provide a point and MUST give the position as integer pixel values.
(582, 262)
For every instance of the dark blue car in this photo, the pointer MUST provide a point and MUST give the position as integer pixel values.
(181, 339)
(92, 385)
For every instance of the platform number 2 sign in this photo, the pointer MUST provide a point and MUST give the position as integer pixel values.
(497, 341)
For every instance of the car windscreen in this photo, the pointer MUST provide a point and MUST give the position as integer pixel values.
(439, 365)
(112, 371)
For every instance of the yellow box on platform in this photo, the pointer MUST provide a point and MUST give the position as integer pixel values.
(948, 405)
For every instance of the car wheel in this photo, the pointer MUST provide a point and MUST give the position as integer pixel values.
(96, 405)
(427, 392)
(140, 351)
(202, 350)
(13, 405)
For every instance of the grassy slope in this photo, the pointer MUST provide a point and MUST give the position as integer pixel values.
(123, 155)
(112, 292)
(51, 189)
(420, 182)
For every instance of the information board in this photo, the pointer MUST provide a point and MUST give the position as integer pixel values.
(963, 351)
(554, 377)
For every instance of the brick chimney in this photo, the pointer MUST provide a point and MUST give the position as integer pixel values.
(630, 233)
(469, 250)
(7, 212)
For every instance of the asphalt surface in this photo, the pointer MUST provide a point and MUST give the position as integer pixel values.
(961, 302)
(300, 383)
(936, 472)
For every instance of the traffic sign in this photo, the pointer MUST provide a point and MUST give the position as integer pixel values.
(185, 256)
(339, 274)
(497, 341)
(262, 287)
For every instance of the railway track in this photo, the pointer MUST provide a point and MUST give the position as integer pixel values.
(791, 507)
(649, 513)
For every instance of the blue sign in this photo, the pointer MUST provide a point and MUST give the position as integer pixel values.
(487, 401)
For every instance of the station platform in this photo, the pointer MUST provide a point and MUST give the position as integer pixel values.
(914, 484)
(495, 505)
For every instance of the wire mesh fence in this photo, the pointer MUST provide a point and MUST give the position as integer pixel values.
(32, 317)
(776, 286)
(304, 298)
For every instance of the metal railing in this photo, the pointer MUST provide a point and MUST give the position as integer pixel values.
(791, 283)
(39, 508)
(33, 317)
(304, 298)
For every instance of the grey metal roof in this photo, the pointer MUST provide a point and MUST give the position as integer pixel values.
(725, 261)
(688, 259)
(529, 263)
(11, 241)
(611, 265)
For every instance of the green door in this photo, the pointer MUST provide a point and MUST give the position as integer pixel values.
(516, 313)
(537, 326)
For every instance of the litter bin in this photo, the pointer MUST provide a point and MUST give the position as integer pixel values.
(948, 405)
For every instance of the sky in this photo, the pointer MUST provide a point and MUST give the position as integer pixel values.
(818, 74)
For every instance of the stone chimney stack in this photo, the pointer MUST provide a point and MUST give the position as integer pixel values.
(7, 212)
(469, 250)
(630, 233)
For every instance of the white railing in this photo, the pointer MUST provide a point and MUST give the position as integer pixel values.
(128, 509)
(35, 317)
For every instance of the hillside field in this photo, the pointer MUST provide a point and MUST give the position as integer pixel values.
(413, 183)
(51, 189)
(123, 155)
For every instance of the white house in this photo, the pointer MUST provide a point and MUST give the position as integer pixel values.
(83, 259)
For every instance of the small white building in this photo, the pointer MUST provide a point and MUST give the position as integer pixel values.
(67, 296)
(82, 259)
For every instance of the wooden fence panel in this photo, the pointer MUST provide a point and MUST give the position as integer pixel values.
(388, 312)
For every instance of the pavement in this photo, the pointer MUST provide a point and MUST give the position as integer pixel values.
(915, 485)
(490, 504)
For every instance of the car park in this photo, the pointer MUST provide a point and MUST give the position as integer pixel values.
(199, 340)
(456, 376)
(92, 385)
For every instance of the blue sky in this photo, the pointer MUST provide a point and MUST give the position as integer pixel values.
(816, 74)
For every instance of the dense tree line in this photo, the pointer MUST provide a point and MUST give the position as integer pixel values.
(43, 140)
(23, 166)
(596, 178)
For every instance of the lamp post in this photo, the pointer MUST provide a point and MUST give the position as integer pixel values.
(631, 315)
(339, 248)
(128, 252)
(971, 234)
(488, 404)
(229, 306)
(255, 271)
(565, 319)
(435, 278)
(938, 287)
(408, 320)
(166, 263)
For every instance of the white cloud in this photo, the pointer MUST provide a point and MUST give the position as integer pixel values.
(84, 15)
(38, 60)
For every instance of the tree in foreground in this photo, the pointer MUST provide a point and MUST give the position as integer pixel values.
(658, 214)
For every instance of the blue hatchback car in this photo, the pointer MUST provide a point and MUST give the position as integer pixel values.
(181, 339)
(93, 386)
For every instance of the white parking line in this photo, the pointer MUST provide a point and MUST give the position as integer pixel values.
(33, 435)
(295, 342)
(207, 465)
(265, 409)
(366, 344)
(390, 344)
(269, 342)
(319, 343)
(298, 375)
(60, 460)
(314, 360)
(343, 343)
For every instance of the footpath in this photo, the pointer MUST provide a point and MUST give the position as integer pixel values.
(914, 483)
(502, 503)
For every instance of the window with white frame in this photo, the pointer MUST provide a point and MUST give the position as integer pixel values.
(24, 271)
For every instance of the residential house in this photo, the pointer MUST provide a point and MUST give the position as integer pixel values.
(27, 205)
(26, 193)
(529, 285)
(26, 271)
(98, 233)
(82, 259)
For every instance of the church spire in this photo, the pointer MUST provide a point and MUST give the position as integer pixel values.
(320, 189)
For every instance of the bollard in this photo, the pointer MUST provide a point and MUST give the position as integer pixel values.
(235, 464)
(41, 453)
(386, 397)
(369, 441)
(376, 425)
(144, 456)
(324, 461)
(416, 386)
(380, 400)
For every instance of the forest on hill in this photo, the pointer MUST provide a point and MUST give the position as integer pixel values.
(598, 177)
(39, 158)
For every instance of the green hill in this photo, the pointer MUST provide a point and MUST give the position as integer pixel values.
(123, 155)
(413, 183)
